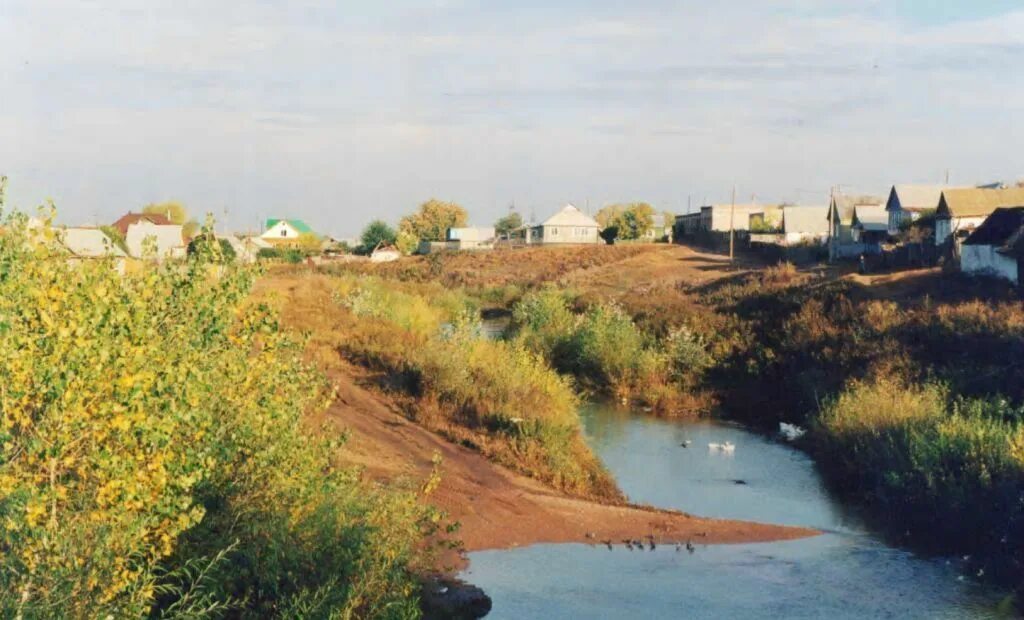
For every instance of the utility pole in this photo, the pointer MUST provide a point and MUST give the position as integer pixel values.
(732, 223)
(831, 222)
(947, 176)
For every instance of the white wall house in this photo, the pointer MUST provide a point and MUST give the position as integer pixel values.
(568, 226)
(996, 248)
(159, 241)
(961, 210)
(907, 203)
(840, 217)
(279, 231)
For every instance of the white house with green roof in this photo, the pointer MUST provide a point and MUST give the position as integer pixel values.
(285, 231)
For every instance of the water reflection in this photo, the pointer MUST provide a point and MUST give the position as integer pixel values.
(845, 573)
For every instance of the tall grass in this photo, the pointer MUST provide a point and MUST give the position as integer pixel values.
(499, 397)
(605, 349)
(951, 468)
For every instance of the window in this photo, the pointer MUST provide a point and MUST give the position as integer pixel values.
(284, 232)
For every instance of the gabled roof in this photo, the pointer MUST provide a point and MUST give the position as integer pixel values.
(130, 218)
(298, 225)
(915, 197)
(872, 218)
(88, 243)
(1004, 229)
(571, 216)
(168, 238)
(844, 205)
(808, 219)
(977, 202)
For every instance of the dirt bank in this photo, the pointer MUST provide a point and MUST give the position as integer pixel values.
(501, 509)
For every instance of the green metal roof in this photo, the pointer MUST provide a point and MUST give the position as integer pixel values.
(298, 225)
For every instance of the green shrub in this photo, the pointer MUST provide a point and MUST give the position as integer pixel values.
(153, 454)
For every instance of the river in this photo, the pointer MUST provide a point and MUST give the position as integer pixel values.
(848, 572)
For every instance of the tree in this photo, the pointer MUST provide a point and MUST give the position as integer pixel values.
(609, 215)
(376, 232)
(609, 234)
(631, 221)
(432, 221)
(176, 213)
(508, 223)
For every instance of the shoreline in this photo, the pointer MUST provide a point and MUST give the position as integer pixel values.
(500, 509)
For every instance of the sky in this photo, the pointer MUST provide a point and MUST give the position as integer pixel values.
(343, 112)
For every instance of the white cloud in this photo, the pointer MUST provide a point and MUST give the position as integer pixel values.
(344, 114)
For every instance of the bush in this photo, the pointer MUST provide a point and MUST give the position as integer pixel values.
(153, 456)
(951, 469)
(499, 397)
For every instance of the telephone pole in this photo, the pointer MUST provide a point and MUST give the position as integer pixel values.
(732, 223)
(831, 222)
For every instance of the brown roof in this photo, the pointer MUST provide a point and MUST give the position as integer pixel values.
(125, 221)
(977, 202)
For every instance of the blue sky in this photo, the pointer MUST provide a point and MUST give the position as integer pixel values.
(340, 112)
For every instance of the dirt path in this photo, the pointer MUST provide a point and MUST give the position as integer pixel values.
(498, 508)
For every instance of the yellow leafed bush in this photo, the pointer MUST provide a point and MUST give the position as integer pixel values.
(152, 457)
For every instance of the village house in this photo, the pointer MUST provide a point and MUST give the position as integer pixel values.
(767, 220)
(123, 222)
(961, 210)
(726, 217)
(568, 226)
(687, 224)
(463, 238)
(285, 232)
(840, 217)
(907, 203)
(792, 225)
(661, 229)
(89, 244)
(159, 241)
(996, 247)
(802, 223)
(870, 225)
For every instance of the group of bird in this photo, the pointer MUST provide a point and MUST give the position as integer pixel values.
(728, 447)
(638, 544)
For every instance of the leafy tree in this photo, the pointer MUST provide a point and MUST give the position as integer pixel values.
(177, 214)
(609, 215)
(173, 210)
(433, 219)
(508, 223)
(609, 234)
(376, 232)
(210, 248)
(406, 242)
(632, 221)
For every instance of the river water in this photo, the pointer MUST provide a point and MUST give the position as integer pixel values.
(845, 573)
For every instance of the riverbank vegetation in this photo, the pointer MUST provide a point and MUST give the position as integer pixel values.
(156, 456)
(911, 389)
(497, 397)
